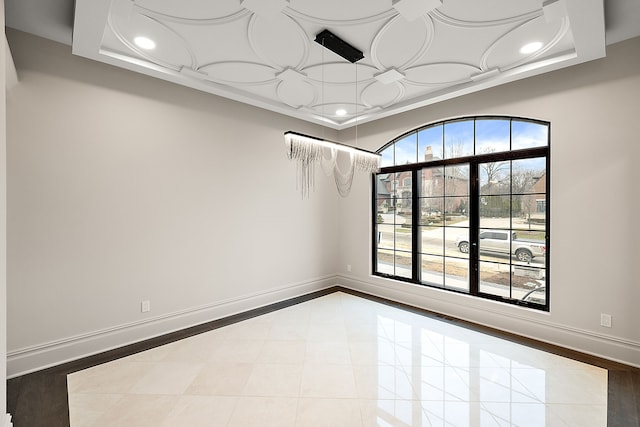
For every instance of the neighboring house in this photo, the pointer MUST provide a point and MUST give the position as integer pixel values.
(441, 190)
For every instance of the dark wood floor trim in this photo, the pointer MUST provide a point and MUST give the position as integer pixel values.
(40, 398)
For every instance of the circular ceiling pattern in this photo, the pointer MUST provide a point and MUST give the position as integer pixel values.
(439, 74)
(400, 43)
(505, 52)
(267, 52)
(278, 40)
(340, 72)
(380, 95)
(296, 94)
(239, 72)
(340, 10)
(491, 12)
(191, 9)
(329, 109)
(170, 48)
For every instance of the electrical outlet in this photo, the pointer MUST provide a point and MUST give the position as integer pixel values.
(349, 267)
(145, 306)
(605, 320)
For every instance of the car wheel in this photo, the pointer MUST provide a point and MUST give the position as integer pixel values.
(524, 255)
(464, 247)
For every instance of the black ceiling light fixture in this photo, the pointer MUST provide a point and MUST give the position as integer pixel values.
(335, 44)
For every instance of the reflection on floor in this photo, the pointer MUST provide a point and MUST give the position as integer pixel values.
(340, 360)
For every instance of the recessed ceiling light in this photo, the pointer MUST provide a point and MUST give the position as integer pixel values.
(531, 47)
(341, 112)
(144, 43)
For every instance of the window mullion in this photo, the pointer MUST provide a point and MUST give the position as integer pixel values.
(474, 226)
(415, 226)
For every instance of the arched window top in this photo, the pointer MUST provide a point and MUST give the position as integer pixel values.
(464, 137)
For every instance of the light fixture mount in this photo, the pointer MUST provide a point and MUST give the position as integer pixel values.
(336, 45)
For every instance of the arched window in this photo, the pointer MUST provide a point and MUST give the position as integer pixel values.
(463, 205)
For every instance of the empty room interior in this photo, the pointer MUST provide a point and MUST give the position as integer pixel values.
(302, 213)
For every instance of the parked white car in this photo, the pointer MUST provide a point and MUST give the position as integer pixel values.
(505, 242)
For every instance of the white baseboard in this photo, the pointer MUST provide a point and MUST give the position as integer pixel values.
(35, 358)
(604, 346)
(7, 421)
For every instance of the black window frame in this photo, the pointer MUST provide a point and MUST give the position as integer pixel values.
(474, 220)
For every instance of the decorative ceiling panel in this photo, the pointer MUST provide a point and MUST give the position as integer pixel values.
(263, 52)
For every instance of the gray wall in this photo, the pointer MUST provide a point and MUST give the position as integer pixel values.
(3, 230)
(124, 188)
(593, 110)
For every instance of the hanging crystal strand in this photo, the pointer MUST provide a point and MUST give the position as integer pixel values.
(329, 164)
(344, 180)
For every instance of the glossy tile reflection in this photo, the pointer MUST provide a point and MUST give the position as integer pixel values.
(340, 360)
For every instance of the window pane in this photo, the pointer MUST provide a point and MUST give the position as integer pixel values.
(456, 274)
(385, 235)
(387, 157)
(432, 182)
(407, 149)
(403, 238)
(432, 240)
(403, 264)
(430, 143)
(529, 176)
(529, 284)
(495, 178)
(529, 212)
(494, 245)
(456, 211)
(432, 211)
(383, 186)
(458, 139)
(432, 270)
(456, 242)
(528, 135)
(495, 211)
(529, 248)
(456, 180)
(403, 181)
(385, 261)
(495, 279)
(492, 135)
(404, 208)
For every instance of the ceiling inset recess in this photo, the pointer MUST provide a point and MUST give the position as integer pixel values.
(416, 52)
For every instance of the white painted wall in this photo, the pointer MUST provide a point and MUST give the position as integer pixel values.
(593, 110)
(3, 231)
(124, 188)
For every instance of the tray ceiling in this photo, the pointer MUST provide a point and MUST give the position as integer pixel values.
(416, 52)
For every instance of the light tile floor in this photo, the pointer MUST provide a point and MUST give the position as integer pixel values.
(340, 360)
